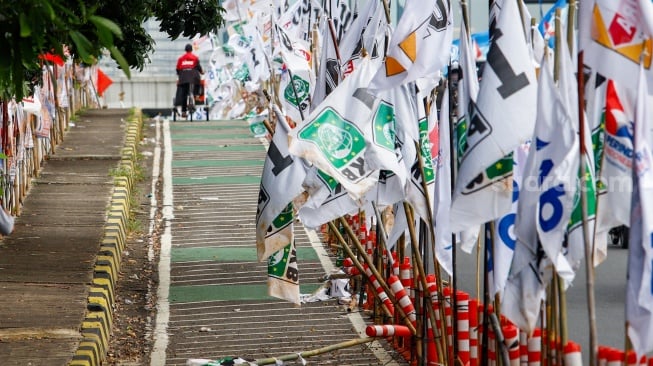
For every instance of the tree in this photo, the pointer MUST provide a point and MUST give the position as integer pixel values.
(86, 28)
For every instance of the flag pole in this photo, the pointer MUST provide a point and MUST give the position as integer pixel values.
(422, 277)
(589, 246)
(589, 249)
(372, 268)
(357, 263)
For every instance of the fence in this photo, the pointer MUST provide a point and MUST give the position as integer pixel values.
(33, 127)
(146, 92)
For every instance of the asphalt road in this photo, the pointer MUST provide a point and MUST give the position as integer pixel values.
(609, 294)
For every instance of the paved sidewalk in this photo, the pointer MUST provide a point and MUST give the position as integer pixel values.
(50, 262)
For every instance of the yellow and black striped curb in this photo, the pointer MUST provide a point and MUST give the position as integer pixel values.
(96, 326)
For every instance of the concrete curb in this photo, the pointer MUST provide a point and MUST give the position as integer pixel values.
(96, 325)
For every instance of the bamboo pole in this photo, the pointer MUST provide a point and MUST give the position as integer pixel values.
(311, 353)
(374, 271)
(422, 278)
(354, 259)
(589, 246)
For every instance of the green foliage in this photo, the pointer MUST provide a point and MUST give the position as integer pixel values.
(189, 17)
(88, 28)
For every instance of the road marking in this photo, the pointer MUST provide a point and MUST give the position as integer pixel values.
(163, 305)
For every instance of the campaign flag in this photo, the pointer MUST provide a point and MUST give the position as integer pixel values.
(595, 90)
(421, 179)
(283, 273)
(281, 182)
(568, 87)
(297, 79)
(333, 135)
(639, 288)
(502, 118)
(547, 24)
(368, 33)
(441, 153)
(328, 73)
(420, 45)
(298, 19)
(616, 37)
(543, 209)
(614, 203)
(555, 150)
(327, 200)
(504, 240)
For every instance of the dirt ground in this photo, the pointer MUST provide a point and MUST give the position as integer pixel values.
(135, 309)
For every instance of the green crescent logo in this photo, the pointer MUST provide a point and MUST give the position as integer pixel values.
(339, 140)
(384, 126)
(302, 88)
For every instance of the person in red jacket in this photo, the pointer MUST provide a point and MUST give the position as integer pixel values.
(188, 73)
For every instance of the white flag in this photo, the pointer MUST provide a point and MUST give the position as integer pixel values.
(615, 36)
(420, 46)
(327, 200)
(503, 243)
(283, 272)
(333, 137)
(297, 82)
(328, 73)
(442, 191)
(553, 175)
(501, 120)
(614, 195)
(639, 295)
(281, 182)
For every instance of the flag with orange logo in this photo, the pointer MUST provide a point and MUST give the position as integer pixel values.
(615, 38)
(420, 46)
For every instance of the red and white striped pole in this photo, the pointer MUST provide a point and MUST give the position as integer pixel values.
(406, 276)
(491, 347)
(379, 290)
(511, 340)
(535, 348)
(523, 348)
(616, 357)
(602, 355)
(573, 356)
(473, 332)
(387, 330)
(448, 320)
(462, 311)
(402, 298)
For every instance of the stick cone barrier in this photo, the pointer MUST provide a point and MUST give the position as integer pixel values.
(395, 264)
(511, 339)
(406, 275)
(523, 347)
(432, 289)
(431, 349)
(379, 290)
(631, 358)
(387, 330)
(448, 320)
(402, 297)
(573, 356)
(473, 332)
(535, 348)
(616, 357)
(462, 311)
(491, 347)
(602, 355)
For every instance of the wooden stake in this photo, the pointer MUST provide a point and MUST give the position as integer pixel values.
(315, 352)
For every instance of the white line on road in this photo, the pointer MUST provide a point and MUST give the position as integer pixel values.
(163, 306)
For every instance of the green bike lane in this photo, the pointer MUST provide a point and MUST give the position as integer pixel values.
(216, 301)
(236, 165)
